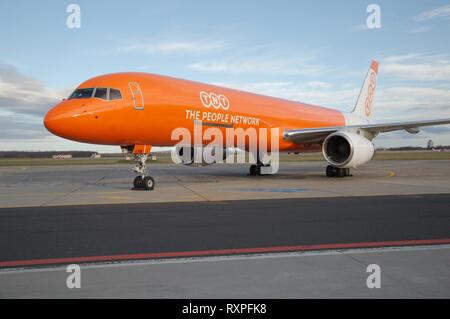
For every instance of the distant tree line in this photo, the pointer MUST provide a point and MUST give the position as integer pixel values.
(18, 154)
(87, 154)
(413, 148)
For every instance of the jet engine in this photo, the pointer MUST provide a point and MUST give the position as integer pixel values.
(347, 150)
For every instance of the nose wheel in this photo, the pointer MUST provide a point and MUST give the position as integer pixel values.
(143, 181)
(146, 183)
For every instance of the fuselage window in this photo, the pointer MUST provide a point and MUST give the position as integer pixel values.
(114, 94)
(101, 93)
(82, 94)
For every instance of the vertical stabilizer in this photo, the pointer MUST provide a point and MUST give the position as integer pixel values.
(366, 99)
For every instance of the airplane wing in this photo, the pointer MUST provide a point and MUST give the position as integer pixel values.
(318, 135)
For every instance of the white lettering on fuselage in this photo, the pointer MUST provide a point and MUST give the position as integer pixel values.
(221, 118)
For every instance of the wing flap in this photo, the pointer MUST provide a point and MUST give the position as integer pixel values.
(309, 135)
(390, 127)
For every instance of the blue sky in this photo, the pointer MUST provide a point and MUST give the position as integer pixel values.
(312, 51)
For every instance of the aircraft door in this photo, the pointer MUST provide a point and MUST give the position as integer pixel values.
(136, 95)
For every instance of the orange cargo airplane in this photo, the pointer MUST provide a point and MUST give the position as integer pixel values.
(137, 111)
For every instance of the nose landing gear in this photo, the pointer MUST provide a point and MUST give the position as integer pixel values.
(143, 181)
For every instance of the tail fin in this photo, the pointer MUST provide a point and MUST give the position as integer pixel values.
(366, 99)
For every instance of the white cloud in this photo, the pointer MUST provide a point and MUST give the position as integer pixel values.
(21, 126)
(397, 103)
(20, 93)
(400, 58)
(23, 102)
(168, 47)
(272, 64)
(421, 29)
(52, 143)
(402, 103)
(308, 92)
(418, 67)
(441, 12)
(319, 85)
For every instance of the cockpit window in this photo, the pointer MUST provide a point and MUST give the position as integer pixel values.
(82, 94)
(101, 93)
(114, 94)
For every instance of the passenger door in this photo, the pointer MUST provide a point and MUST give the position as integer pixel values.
(136, 95)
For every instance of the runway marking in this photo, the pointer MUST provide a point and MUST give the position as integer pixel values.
(114, 197)
(274, 190)
(76, 193)
(391, 174)
(220, 252)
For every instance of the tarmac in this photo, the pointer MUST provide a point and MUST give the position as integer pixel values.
(214, 232)
(111, 184)
(417, 272)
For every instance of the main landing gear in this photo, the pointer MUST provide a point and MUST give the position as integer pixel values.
(333, 171)
(143, 181)
(255, 169)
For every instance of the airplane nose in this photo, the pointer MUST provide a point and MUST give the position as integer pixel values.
(72, 120)
(52, 121)
(60, 120)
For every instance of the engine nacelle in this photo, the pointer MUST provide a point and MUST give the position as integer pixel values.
(188, 155)
(347, 150)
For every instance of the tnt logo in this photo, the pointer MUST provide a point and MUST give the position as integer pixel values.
(215, 100)
(370, 93)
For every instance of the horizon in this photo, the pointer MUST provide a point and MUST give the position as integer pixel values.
(169, 149)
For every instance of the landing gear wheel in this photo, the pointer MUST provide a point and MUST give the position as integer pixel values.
(331, 171)
(138, 183)
(346, 172)
(340, 172)
(337, 172)
(255, 170)
(143, 180)
(148, 183)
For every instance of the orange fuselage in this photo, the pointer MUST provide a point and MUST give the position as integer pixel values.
(152, 106)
